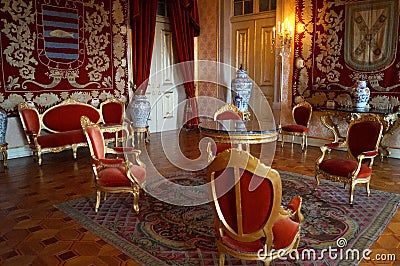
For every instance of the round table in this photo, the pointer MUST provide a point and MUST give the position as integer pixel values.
(239, 131)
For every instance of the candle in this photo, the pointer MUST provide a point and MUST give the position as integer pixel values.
(279, 27)
(273, 33)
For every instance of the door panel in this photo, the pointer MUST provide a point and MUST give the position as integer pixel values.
(161, 92)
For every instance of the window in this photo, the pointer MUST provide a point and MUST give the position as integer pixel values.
(162, 8)
(244, 7)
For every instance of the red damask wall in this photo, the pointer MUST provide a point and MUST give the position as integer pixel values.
(57, 49)
(341, 41)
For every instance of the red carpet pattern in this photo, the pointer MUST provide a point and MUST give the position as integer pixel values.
(182, 235)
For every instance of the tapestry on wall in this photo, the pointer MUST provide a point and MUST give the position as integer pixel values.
(343, 41)
(58, 49)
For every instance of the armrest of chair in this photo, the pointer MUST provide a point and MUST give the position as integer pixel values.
(293, 209)
(111, 162)
(130, 151)
(32, 137)
(335, 145)
(366, 155)
(370, 154)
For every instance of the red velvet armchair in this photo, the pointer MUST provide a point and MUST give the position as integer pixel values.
(301, 116)
(249, 221)
(362, 142)
(113, 175)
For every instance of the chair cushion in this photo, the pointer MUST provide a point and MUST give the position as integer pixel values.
(139, 173)
(295, 128)
(343, 167)
(284, 231)
(61, 138)
(113, 177)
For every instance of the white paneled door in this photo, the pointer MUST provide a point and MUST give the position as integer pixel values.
(161, 92)
(252, 49)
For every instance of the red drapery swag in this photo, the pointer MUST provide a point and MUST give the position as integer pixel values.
(143, 23)
(185, 20)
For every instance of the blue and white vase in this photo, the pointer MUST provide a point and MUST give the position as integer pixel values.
(241, 90)
(360, 93)
(3, 126)
(140, 110)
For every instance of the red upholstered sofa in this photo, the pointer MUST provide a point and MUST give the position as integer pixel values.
(58, 128)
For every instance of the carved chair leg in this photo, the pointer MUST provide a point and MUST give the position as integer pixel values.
(306, 137)
(368, 190)
(303, 142)
(282, 140)
(74, 150)
(317, 181)
(136, 198)
(351, 192)
(39, 158)
(98, 198)
(221, 261)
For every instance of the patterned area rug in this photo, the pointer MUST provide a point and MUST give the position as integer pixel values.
(173, 235)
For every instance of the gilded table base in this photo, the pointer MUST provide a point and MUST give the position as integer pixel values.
(142, 133)
(389, 121)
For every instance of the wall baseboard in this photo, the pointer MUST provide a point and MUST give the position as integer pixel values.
(19, 152)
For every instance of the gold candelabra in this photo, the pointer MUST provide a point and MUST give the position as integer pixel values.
(282, 44)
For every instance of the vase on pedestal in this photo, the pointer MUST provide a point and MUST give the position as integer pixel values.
(140, 110)
(360, 94)
(241, 90)
(3, 126)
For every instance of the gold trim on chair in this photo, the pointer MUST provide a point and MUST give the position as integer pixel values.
(235, 225)
(100, 164)
(357, 157)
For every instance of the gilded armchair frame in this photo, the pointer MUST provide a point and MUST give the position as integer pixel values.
(239, 159)
(360, 158)
(303, 135)
(99, 165)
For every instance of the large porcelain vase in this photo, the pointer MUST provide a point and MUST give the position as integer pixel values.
(3, 126)
(241, 90)
(360, 93)
(140, 110)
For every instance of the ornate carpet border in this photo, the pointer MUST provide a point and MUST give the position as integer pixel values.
(367, 238)
(371, 234)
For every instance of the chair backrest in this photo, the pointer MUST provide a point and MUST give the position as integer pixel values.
(228, 112)
(246, 195)
(302, 113)
(112, 111)
(364, 134)
(94, 138)
(30, 118)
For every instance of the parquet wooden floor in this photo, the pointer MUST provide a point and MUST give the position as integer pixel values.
(34, 232)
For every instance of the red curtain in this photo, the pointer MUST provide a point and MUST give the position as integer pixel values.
(185, 20)
(143, 23)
